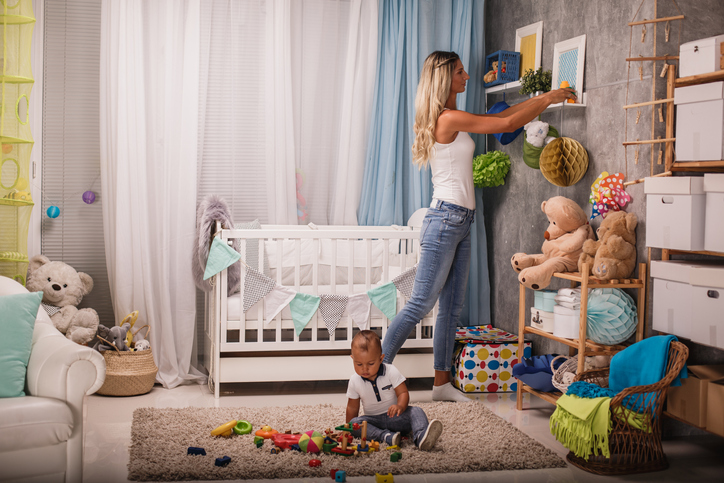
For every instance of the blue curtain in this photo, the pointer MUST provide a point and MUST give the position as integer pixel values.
(393, 188)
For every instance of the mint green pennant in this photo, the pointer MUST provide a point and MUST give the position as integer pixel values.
(385, 298)
(303, 306)
(221, 256)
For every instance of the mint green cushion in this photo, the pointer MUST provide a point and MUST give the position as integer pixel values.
(17, 321)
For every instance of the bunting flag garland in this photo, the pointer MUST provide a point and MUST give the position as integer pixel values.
(256, 287)
(358, 308)
(385, 298)
(303, 306)
(221, 256)
(332, 307)
(276, 300)
(405, 281)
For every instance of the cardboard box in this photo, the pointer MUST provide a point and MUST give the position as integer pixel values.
(700, 122)
(715, 407)
(700, 56)
(483, 359)
(675, 212)
(713, 226)
(690, 400)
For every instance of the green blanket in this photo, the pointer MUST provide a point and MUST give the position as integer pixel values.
(582, 425)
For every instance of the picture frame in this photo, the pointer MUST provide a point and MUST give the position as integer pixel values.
(529, 42)
(569, 58)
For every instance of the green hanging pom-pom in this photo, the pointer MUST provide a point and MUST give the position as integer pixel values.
(489, 169)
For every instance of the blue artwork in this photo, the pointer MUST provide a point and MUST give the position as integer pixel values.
(567, 67)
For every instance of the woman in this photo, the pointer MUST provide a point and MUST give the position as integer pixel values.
(441, 138)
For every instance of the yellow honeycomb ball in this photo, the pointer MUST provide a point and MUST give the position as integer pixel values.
(564, 161)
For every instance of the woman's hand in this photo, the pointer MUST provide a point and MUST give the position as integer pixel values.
(562, 95)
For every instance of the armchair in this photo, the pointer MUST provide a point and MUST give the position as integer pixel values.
(41, 434)
(634, 450)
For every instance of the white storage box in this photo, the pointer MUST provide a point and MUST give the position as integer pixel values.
(714, 225)
(542, 320)
(700, 122)
(707, 299)
(566, 322)
(672, 307)
(675, 212)
(700, 56)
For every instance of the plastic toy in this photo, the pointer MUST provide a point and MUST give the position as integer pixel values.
(394, 446)
(225, 429)
(343, 449)
(242, 427)
(347, 427)
(285, 441)
(327, 447)
(315, 463)
(388, 478)
(396, 456)
(275, 450)
(224, 461)
(311, 442)
(258, 441)
(340, 475)
(196, 451)
(266, 432)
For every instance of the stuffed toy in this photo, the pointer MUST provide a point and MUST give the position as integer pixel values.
(493, 74)
(103, 332)
(117, 337)
(63, 288)
(536, 133)
(613, 256)
(568, 229)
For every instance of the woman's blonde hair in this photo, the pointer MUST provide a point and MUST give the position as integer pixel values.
(433, 91)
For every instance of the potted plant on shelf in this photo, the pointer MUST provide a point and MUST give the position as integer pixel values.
(535, 82)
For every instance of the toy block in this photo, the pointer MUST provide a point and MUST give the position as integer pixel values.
(340, 476)
(396, 456)
(196, 451)
(224, 461)
(388, 478)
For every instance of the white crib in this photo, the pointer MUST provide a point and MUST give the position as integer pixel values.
(241, 347)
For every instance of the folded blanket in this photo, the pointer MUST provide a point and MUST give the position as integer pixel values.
(570, 305)
(582, 425)
(587, 390)
(570, 292)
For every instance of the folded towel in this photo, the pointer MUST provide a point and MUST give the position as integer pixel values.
(582, 425)
(570, 292)
(567, 298)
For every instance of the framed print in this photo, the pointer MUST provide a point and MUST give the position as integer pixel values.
(568, 60)
(529, 42)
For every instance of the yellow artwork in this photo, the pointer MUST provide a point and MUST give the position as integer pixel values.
(527, 53)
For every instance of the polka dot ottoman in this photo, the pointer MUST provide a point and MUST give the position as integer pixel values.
(483, 359)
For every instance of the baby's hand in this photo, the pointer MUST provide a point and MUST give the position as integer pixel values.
(394, 410)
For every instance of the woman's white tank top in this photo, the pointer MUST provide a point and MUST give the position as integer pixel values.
(452, 171)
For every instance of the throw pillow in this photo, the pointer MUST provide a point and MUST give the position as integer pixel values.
(17, 321)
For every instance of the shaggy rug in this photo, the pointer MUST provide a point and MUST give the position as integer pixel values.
(473, 439)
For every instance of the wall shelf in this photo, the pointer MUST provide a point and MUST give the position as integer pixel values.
(698, 166)
(507, 87)
(693, 80)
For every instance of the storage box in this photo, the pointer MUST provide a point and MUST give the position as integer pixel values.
(690, 400)
(700, 122)
(715, 407)
(566, 322)
(483, 359)
(675, 212)
(700, 56)
(544, 299)
(512, 65)
(713, 226)
(542, 320)
(707, 300)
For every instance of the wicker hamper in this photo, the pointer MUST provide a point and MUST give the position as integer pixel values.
(128, 373)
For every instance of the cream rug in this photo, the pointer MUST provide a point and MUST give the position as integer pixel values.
(473, 439)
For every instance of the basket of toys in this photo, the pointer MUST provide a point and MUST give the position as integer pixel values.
(501, 67)
(565, 374)
(128, 373)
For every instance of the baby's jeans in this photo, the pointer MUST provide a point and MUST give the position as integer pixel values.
(381, 427)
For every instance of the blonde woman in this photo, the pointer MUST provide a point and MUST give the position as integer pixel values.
(442, 140)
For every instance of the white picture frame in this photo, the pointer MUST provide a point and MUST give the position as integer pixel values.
(569, 58)
(528, 38)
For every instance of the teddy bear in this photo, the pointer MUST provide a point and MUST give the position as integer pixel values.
(536, 133)
(492, 75)
(613, 256)
(63, 288)
(568, 229)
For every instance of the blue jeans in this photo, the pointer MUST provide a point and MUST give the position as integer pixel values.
(381, 427)
(441, 273)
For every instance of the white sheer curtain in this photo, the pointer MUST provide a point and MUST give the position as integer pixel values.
(148, 123)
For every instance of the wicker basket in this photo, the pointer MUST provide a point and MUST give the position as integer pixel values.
(568, 367)
(128, 373)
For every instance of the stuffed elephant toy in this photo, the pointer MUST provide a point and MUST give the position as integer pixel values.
(117, 337)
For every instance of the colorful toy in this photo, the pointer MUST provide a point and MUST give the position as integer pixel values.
(131, 320)
(242, 427)
(196, 451)
(347, 427)
(53, 211)
(327, 447)
(311, 442)
(89, 197)
(340, 475)
(223, 461)
(394, 446)
(315, 463)
(565, 84)
(285, 441)
(608, 194)
(396, 456)
(388, 478)
(266, 432)
(343, 450)
(225, 430)
(258, 441)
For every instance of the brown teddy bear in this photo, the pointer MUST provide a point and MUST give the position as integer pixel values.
(493, 74)
(566, 233)
(613, 256)
(63, 288)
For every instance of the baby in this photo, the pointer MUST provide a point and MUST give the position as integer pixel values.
(384, 396)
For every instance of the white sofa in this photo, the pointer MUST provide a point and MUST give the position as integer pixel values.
(41, 434)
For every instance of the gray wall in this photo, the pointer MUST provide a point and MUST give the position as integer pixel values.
(513, 218)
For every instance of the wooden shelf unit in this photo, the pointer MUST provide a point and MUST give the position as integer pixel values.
(583, 346)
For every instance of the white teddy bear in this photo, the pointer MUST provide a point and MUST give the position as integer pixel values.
(536, 133)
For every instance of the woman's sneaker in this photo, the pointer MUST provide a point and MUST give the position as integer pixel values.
(433, 432)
